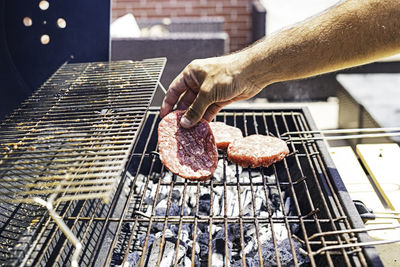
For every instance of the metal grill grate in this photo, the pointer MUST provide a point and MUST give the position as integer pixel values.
(119, 233)
(71, 140)
(74, 135)
(318, 212)
(321, 220)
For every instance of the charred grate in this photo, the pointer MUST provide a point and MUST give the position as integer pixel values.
(71, 140)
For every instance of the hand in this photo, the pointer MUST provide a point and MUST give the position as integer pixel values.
(205, 86)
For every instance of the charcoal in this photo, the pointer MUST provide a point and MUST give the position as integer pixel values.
(187, 228)
(169, 233)
(185, 262)
(202, 238)
(263, 213)
(142, 238)
(148, 201)
(219, 246)
(185, 237)
(202, 228)
(167, 178)
(218, 192)
(174, 228)
(157, 227)
(191, 198)
(117, 258)
(260, 201)
(247, 206)
(276, 202)
(217, 207)
(287, 205)
(264, 234)
(152, 253)
(132, 259)
(175, 210)
(126, 228)
(204, 204)
(230, 171)
(168, 250)
(218, 243)
(256, 177)
(285, 253)
(250, 231)
(233, 240)
(280, 232)
(232, 204)
(161, 209)
(139, 185)
(294, 228)
(233, 230)
(190, 247)
(203, 250)
(217, 260)
(176, 194)
(250, 262)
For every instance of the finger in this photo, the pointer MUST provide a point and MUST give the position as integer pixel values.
(213, 110)
(195, 111)
(186, 100)
(175, 90)
(184, 81)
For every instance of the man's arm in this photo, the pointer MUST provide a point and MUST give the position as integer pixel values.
(351, 33)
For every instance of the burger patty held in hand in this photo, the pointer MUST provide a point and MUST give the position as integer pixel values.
(257, 151)
(189, 153)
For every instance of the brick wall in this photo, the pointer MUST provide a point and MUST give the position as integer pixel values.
(236, 13)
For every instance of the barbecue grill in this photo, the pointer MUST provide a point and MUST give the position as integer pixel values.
(82, 184)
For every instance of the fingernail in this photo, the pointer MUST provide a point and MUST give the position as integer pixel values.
(185, 123)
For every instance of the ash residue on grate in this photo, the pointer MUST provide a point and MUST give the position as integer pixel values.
(266, 203)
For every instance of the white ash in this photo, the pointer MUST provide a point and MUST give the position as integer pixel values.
(263, 208)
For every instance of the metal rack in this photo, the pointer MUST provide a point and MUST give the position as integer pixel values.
(72, 140)
(90, 113)
(328, 221)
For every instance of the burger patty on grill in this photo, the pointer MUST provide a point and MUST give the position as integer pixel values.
(257, 151)
(190, 153)
(224, 134)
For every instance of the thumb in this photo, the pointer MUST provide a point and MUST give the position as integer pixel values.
(195, 111)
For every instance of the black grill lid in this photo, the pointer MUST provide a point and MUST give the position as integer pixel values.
(37, 37)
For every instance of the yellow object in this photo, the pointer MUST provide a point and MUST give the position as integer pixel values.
(383, 164)
(359, 187)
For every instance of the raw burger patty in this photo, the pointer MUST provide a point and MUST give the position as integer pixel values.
(224, 134)
(257, 150)
(190, 153)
